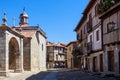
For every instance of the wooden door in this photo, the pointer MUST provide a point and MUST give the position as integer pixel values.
(95, 64)
(101, 62)
(111, 61)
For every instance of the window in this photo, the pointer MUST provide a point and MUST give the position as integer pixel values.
(85, 45)
(85, 29)
(81, 35)
(96, 10)
(42, 46)
(22, 20)
(89, 23)
(60, 48)
(77, 36)
(56, 48)
(56, 57)
(97, 35)
(90, 38)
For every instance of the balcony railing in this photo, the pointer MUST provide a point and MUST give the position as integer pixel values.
(77, 52)
(89, 26)
(79, 37)
(89, 47)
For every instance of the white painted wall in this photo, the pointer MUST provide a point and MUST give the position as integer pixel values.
(96, 45)
(38, 55)
(42, 53)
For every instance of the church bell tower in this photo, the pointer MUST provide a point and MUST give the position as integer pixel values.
(23, 18)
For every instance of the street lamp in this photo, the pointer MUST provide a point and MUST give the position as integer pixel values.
(111, 26)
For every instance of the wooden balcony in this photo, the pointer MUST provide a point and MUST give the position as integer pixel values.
(112, 37)
(50, 57)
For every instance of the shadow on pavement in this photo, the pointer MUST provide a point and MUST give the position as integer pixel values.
(38, 76)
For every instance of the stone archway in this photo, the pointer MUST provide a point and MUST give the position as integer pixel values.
(13, 54)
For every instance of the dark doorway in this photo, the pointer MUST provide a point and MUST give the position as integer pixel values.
(95, 65)
(13, 54)
(111, 61)
(101, 62)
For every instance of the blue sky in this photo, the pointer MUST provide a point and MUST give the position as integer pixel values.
(57, 18)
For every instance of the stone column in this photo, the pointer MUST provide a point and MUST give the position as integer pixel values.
(19, 57)
(18, 68)
(84, 62)
(21, 53)
(6, 54)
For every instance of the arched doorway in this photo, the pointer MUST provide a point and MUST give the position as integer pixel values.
(13, 54)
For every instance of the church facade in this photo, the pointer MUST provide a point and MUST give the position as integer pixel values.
(22, 48)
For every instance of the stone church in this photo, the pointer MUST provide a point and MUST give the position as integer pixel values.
(22, 48)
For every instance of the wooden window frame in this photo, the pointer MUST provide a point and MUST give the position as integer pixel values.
(97, 35)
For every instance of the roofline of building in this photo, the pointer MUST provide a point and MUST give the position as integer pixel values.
(86, 10)
(56, 44)
(37, 28)
(5, 27)
(111, 10)
(89, 6)
(80, 23)
(71, 43)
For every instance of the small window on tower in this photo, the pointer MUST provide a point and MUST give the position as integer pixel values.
(22, 20)
(42, 46)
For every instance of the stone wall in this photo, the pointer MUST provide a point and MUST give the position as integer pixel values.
(42, 53)
(34, 53)
(38, 52)
(2, 54)
(26, 53)
(69, 56)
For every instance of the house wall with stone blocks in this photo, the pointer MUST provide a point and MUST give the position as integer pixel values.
(27, 55)
(38, 52)
(6, 35)
(2, 54)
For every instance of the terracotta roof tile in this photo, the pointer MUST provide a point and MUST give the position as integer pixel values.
(27, 34)
(75, 41)
(56, 44)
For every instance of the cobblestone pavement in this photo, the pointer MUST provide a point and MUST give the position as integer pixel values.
(80, 75)
(51, 76)
(62, 74)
